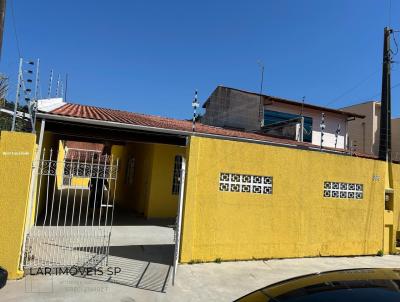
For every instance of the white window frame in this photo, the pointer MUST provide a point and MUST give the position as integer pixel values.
(176, 175)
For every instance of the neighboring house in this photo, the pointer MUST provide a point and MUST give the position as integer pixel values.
(396, 139)
(242, 110)
(364, 134)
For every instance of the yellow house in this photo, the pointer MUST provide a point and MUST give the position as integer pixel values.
(243, 195)
(318, 202)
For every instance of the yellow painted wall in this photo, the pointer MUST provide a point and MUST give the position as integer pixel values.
(60, 165)
(162, 203)
(143, 173)
(75, 181)
(296, 220)
(395, 172)
(16, 154)
(133, 196)
(151, 191)
(49, 144)
(118, 152)
(388, 232)
(80, 182)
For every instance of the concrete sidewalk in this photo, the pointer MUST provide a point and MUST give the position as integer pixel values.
(198, 282)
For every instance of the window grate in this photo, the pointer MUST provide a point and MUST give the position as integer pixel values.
(229, 182)
(343, 190)
(176, 178)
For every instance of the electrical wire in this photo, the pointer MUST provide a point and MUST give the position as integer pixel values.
(378, 94)
(352, 88)
(15, 28)
(395, 43)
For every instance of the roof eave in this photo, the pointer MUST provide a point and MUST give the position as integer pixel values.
(314, 107)
(50, 116)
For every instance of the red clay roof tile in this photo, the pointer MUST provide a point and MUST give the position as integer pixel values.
(130, 118)
(111, 115)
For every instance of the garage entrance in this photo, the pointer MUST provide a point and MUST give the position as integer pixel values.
(107, 200)
(72, 210)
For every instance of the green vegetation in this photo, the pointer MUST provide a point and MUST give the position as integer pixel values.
(5, 118)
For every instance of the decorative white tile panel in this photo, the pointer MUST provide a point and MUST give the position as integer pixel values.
(244, 183)
(343, 190)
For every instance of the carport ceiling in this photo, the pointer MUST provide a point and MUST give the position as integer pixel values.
(94, 133)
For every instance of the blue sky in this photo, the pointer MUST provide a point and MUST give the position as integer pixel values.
(149, 56)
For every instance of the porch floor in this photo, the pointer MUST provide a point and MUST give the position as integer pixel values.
(141, 248)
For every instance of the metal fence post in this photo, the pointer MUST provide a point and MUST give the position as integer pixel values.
(179, 220)
(35, 167)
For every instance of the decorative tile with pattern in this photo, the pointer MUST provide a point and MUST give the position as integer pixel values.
(232, 182)
(343, 190)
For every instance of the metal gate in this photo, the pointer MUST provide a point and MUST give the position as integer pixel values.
(71, 209)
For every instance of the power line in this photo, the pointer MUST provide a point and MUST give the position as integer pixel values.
(395, 43)
(352, 88)
(377, 94)
(396, 85)
(367, 77)
(15, 28)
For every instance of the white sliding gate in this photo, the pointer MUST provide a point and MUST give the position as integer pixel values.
(71, 208)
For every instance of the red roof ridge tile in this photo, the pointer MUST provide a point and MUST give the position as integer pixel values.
(118, 110)
(67, 105)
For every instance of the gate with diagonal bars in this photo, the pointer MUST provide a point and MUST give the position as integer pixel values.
(71, 209)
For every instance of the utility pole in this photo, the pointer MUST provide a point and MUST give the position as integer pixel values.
(2, 17)
(385, 142)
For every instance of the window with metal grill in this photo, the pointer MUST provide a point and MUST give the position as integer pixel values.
(176, 178)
